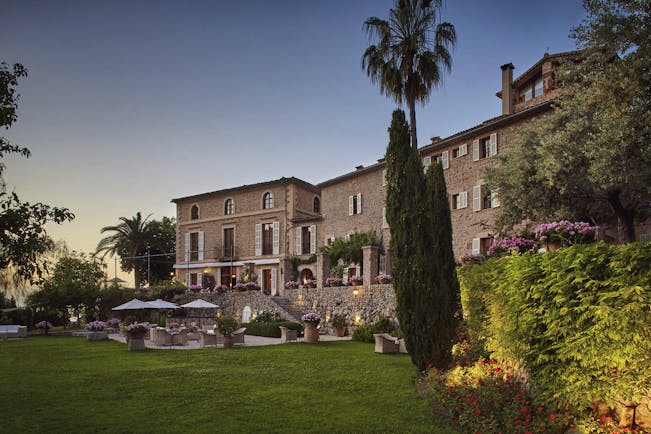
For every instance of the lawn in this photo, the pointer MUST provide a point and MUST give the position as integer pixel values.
(67, 384)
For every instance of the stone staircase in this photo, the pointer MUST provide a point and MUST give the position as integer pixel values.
(294, 311)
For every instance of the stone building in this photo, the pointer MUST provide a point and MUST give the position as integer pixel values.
(254, 230)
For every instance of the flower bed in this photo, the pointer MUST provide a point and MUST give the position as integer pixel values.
(334, 281)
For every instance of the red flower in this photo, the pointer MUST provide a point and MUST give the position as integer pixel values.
(539, 409)
(477, 412)
(552, 416)
(518, 422)
(524, 410)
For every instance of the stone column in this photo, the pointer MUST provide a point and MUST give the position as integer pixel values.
(285, 271)
(371, 257)
(387, 261)
(322, 268)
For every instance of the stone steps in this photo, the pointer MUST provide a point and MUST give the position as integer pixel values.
(289, 307)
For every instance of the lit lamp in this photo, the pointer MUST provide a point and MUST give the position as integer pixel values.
(358, 319)
(355, 291)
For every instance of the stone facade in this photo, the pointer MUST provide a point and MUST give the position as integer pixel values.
(306, 217)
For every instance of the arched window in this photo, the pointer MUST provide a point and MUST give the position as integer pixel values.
(229, 207)
(267, 201)
(194, 212)
(317, 205)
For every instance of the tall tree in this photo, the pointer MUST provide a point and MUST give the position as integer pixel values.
(23, 239)
(421, 246)
(161, 245)
(411, 55)
(590, 159)
(129, 240)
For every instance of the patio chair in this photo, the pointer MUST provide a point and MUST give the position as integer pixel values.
(385, 343)
(238, 336)
(180, 338)
(160, 336)
(287, 335)
(207, 339)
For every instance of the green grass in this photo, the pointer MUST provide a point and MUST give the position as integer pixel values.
(67, 384)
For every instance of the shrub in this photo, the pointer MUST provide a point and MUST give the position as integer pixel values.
(226, 325)
(507, 245)
(356, 280)
(365, 332)
(266, 317)
(292, 285)
(567, 232)
(96, 326)
(334, 281)
(270, 329)
(338, 321)
(577, 319)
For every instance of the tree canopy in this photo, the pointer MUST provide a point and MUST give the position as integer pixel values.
(590, 159)
(350, 250)
(411, 54)
(23, 239)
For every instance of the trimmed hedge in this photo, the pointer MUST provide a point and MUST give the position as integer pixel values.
(577, 319)
(270, 329)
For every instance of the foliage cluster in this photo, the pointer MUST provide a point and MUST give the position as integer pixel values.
(338, 321)
(484, 397)
(270, 329)
(577, 319)
(226, 325)
(295, 262)
(266, 316)
(349, 251)
(364, 332)
(424, 275)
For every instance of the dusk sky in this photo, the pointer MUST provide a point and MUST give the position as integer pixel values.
(129, 104)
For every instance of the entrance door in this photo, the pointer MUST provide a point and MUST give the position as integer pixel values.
(226, 276)
(266, 281)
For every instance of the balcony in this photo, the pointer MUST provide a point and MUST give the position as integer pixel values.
(227, 253)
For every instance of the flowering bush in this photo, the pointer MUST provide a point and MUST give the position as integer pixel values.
(44, 325)
(145, 289)
(334, 281)
(310, 283)
(312, 318)
(567, 232)
(113, 322)
(239, 286)
(96, 326)
(510, 244)
(252, 286)
(195, 288)
(383, 278)
(356, 280)
(482, 397)
(470, 259)
(221, 288)
(292, 284)
(137, 328)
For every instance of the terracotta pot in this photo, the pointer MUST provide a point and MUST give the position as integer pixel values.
(340, 332)
(229, 341)
(311, 333)
(553, 246)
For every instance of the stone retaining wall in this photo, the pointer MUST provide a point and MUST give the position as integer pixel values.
(366, 306)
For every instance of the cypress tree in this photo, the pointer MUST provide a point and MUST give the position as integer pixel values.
(424, 276)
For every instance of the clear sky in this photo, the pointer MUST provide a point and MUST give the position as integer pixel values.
(129, 104)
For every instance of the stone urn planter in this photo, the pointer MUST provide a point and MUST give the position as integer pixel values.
(311, 333)
(229, 341)
(97, 335)
(136, 341)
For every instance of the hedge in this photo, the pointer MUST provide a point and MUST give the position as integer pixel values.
(270, 329)
(578, 320)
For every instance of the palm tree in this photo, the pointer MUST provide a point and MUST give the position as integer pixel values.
(411, 55)
(130, 239)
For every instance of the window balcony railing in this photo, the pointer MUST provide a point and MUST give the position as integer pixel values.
(227, 252)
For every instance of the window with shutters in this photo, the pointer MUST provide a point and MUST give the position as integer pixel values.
(316, 205)
(267, 239)
(194, 279)
(229, 207)
(267, 200)
(460, 151)
(229, 242)
(194, 246)
(531, 90)
(355, 204)
(306, 235)
(460, 200)
(194, 212)
(480, 246)
(484, 147)
(489, 199)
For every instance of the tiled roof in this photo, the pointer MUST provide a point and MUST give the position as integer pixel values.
(283, 180)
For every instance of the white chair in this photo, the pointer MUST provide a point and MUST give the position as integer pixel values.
(385, 343)
(287, 335)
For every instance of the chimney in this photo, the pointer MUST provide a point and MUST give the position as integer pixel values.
(507, 88)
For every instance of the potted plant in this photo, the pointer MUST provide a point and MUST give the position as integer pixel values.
(310, 283)
(383, 278)
(334, 281)
(356, 280)
(195, 288)
(292, 285)
(45, 326)
(227, 325)
(339, 324)
(311, 320)
(252, 286)
(135, 334)
(97, 331)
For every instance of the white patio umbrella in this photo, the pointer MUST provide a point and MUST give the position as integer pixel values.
(162, 304)
(134, 304)
(200, 304)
